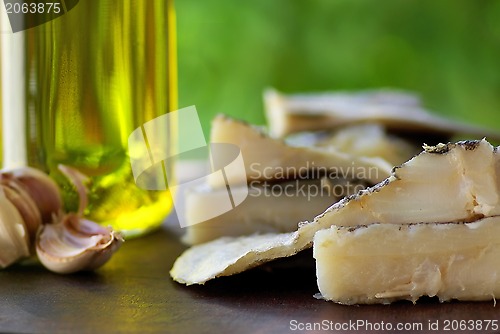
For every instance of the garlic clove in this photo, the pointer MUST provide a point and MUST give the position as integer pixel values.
(26, 207)
(74, 244)
(43, 190)
(14, 239)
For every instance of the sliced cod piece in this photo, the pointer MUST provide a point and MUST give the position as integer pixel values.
(360, 140)
(445, 183)
(269, 159)
(396, 110)
(367, 143)
(262, 212)
(270, 208)
(381, 263)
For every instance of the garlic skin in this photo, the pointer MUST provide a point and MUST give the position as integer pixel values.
(42, 189)
(74, 244)
(14, 238)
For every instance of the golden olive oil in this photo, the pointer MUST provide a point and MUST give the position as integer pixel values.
(93, 76)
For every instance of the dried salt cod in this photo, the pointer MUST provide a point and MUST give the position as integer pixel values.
(360, 140)
(288, 114)
(381, 263)
(270, 208)
(274, 165)
(267, 158)
(445, 183)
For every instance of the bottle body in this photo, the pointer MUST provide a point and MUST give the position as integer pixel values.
(93, 76)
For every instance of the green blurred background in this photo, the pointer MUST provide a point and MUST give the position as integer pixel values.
(446, 50)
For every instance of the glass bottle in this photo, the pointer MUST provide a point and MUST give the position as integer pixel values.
(92, 76)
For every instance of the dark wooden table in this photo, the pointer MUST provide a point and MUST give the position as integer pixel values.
(134, 293)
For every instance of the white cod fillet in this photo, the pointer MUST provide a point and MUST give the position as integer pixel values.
(381, 263)
(272, 163)
(268, 159)
(397, 110)
(446, 183)
(261, 212)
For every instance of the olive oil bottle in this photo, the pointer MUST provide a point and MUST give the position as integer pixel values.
(93, 75)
